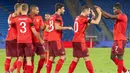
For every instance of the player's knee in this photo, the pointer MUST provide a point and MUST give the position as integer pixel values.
(111, 57)
(51, 58)
(120, 57)
(63, 57)
(43, 56)
(76, 59)
(86, 58)
(8, 57)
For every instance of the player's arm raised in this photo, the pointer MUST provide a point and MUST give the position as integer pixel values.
(106, 14)
(97, 20)
(109, 16)
(58, 27)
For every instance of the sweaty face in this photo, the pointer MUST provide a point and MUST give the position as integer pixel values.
(47, 16)
(62, 10)
(87, 12)
(115, 11)
(18, 11)
(36, 10)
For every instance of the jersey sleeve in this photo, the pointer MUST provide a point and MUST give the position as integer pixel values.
(12, 21)
(41, 21)
(30, 22)
(57, 19)
(120, 17)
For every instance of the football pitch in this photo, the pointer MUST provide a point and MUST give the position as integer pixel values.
(100, 58)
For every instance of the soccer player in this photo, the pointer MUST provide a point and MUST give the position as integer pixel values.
(54, 38)
(119, 33)
(11, 42)
(25, 28)
(45, 34)
(79, 46)
(38, 24)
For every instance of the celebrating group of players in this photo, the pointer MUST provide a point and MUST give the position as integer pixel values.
(24, 39)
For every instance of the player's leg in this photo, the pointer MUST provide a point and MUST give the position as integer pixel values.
(7, 64)
(59, 51)
(51, 56)
(19, 64)
(73, 64)
(114, 57)
(49, 64)
(41, 62)
(40, 50)
(60, 63)
(11, 51)
(28, 65)
(14, 54)
(120, 53)
(28, 54)
(14, 66)
(89, 65)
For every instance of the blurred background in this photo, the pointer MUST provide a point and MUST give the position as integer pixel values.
(96, 35)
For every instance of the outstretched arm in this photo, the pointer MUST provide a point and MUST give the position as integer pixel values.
(107, 15)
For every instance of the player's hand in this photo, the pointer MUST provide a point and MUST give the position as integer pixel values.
(70, 28)
(98, 10)
(93, 14)
(42, 42)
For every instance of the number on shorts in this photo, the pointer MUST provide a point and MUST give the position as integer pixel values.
(76, 27)
(23, 30)
(116, 48)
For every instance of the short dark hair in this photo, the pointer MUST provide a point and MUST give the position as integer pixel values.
(117, 6)
(33, 6)
(24, 6)
(58, 6)
(85, 7)
(16, 6)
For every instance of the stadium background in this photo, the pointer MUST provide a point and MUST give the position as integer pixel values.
(100, 34)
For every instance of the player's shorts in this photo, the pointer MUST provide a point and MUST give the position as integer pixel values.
(25, 49)
(56, 48)
(46, 44)
(118, 47)
(11, 48)
(79, 49)
(39, 48)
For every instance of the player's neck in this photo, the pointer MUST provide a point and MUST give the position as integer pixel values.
(32, 14)
(58, 13)
(82, 14)
(23, 13)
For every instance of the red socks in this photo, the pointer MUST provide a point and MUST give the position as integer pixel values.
(7, 64)
(120, 66)
(49, 66)
(28, 69)
(14, 66)
(40, 65)
(115, 60)
(32, 66)
(19, 65)
(59, 65)
(72, 66)
(89, 66)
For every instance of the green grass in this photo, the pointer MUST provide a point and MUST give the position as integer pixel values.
(99, 57)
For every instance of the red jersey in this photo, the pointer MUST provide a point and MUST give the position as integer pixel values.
(23, 25)
(80, 25)
(45, 33)
(12, 32)
(38, 22)
(120, 27)
(54, 34)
